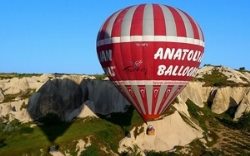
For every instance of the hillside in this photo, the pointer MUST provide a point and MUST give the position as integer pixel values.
(61, 114)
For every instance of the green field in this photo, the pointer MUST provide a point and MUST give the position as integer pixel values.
(31, 140)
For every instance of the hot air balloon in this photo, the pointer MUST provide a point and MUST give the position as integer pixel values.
(150, 52)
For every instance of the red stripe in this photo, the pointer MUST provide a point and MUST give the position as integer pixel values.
(159, 22)
(177, 92)
(136, 29)
(144, 97)
(172, 98)
(194, 26)
(117, 48)
(136, 26)
(156, 91)
(151, 117)
(126, 58)
(118, 61)
(116, 30)
(136, 103)
(180, 27)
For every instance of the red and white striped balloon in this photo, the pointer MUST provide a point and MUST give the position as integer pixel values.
(150, 52)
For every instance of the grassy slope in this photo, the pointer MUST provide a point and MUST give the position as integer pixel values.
(22, 139)
(223, 135)
(19, 142)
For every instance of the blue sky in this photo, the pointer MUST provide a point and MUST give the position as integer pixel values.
(48, 36)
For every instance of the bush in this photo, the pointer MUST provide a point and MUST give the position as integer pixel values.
(18, 75)
(242, 69)
(216, 78)
(194, 112)
(92, 150)
(100, 76)
(153, 153)
(244, 122)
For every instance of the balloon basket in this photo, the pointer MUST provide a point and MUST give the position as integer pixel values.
(150, 130)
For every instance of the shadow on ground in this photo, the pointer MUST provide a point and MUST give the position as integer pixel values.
(51, 106)
(55, 105)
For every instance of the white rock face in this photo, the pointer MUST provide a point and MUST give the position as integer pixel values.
(82, 145)
(78, 78)
(15, 110)
(82, 112)
(243, 107)
(86, 112)
(56, 153)
(227, 97)
(35, 82)
(5, 109)
(3, 83)
(195, 92)
(247, 74)
(15, 86)
(181, 107)
(170, 131)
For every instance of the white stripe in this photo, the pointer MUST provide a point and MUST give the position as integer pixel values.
(148, 20)
(169, 21)
(127, 20)
(124, 88)
(170, 102)
(110, 24)
(149, 91)
(199, 30)
(151, 82)
(149, 38)
(138, 97)
(161, 93)
(188, 26)
(169, 97)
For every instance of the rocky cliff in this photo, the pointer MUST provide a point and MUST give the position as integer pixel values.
(220, 89)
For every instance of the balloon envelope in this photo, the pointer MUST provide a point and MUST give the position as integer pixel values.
(150, 52)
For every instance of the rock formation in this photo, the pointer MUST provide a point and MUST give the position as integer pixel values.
(170, 131)
(71, 96)
(16, 86)
(15, 110)
(58, 96)
(103, 97)
(54, 95)
(244, 106)
(194, 92)
(227, 97)
(231, 74)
